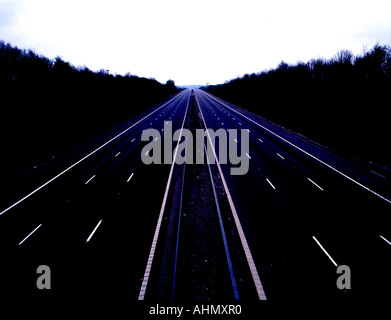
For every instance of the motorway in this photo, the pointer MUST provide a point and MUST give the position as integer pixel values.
(107, 224)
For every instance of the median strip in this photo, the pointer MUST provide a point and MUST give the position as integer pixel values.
(243, 240)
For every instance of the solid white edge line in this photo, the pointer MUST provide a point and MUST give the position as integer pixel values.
(315, 184)
(93, 231)
(159, 222)
(385, 240)
(248, 155)
(246, 248)
(305, 152)
(29, 235)
(82, 159)
(324, 250)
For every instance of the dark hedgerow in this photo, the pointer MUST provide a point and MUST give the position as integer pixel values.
(50, 106)
(343, 103)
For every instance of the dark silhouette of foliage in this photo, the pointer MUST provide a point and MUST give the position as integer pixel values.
(170, 84)
(342, 103)
(51, 107)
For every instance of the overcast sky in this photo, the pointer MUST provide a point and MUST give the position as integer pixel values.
(193, 41)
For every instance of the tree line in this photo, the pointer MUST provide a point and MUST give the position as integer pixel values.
(342, 102)
(50, 106)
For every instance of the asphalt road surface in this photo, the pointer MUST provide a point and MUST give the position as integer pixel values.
(108, 225)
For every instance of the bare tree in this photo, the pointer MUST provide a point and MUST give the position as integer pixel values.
(344, 57)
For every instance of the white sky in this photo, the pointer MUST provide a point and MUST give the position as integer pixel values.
(193, 41)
